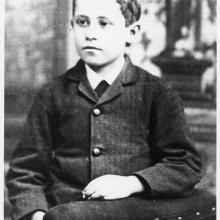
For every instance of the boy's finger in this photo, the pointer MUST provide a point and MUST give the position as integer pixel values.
(95, 195)
(89, 191)
(110, 197)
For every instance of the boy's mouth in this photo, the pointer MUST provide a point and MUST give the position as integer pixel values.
(90, 48)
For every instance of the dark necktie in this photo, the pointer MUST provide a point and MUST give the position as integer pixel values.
(102, 86)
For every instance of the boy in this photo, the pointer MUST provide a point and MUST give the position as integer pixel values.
(128, 143)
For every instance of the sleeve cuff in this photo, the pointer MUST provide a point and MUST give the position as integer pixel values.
(146, 185)
(28, 216)
(27, 204)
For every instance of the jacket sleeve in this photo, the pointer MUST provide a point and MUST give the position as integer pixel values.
(27, 176)
(177, 166)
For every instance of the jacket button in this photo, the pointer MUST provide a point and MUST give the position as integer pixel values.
(96, 152)
(96, 111)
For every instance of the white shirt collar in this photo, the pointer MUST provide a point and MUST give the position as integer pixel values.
(95, 78)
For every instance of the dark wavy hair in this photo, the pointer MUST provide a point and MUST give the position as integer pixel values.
(131, 10)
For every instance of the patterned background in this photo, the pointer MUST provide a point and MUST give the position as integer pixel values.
(181, 33)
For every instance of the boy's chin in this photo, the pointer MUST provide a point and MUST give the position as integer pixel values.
(98, 61)
(95, 62)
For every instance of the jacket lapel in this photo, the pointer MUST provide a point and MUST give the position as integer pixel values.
(127, 76)
(112, 92)
(85, 88)
(78, 74)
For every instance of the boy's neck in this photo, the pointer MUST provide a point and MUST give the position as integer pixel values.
(115, 66)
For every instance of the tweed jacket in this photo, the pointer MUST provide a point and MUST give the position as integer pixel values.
(71, 137)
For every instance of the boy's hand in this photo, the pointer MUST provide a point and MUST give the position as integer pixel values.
(39, 215)
(110, 187)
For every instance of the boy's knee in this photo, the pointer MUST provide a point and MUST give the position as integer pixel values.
(53, 214)
(57, 213)
(70, 211)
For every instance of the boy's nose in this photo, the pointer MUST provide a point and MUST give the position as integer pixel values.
(90, 38)
(91, 34)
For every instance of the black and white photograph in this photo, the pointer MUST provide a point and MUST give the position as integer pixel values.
(110, 109)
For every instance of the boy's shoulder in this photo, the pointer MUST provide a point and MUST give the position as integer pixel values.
(150, 80)
(147, 75)
(160, 87)
(62, 80)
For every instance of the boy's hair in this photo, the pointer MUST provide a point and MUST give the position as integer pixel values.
(131, 10)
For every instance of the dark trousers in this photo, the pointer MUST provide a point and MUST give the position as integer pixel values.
(199, 205)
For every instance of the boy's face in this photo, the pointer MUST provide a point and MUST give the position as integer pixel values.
(99, 30)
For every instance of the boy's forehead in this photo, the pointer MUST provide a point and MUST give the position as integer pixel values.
(98, 8)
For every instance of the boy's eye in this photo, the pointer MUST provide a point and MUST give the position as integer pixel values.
(104, 23)
(83, 22)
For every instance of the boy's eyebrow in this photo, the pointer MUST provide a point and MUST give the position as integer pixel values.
(102, 17)
(84, 16)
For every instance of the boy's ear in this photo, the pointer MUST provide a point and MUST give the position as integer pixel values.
(134, 30)
(71, 22)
